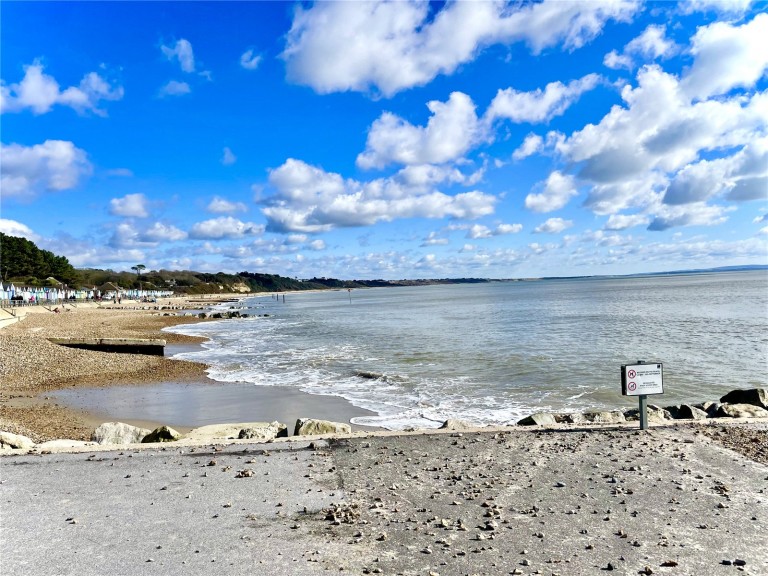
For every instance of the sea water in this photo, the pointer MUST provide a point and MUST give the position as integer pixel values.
(493, 352)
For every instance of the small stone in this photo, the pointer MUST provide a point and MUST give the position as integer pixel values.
(610, 566)
(525, 562)
(726, 562)
(739, 562)
(669, 564)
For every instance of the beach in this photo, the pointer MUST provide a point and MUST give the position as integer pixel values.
(679, 498)
(32, 367)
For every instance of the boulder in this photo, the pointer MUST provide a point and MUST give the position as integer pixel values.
(118, 433)
(754, 396)
(656, 414)
(741, 411)
(272, 430)
(710, 408)
(612, 417)
(570, 418)
(162, 434)
(686, 412)
(453, 424)
(222, 432)
(538, 419)
(310, 426)
(10, 441)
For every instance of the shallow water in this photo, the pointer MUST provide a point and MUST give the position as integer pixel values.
(491, 353)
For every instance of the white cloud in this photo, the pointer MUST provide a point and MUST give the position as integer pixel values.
(697, 214)
(14, 228)
(726, 7)
(174, 88)
(450, 132)
(652, 44)
(317, 245)
(624, 221)
(557, 191)
(391, 46)
(250, 60)
(159, 232)
(508, 229)
(532, 144)
(220, 205)
(309, 199)
(53, 165)
(40, 92)
(228, 157)
(182, 52)
(553, 226)
(727, 57)
(614, 60)
(131, 205)
(539, 105)
(434, 240)
(224, 227)
(477, 231)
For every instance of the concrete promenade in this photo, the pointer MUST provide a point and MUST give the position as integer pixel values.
(670, 500)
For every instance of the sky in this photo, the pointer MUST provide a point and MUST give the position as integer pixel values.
(393, 140)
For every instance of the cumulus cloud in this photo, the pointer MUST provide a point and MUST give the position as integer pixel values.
(434, 240)
(131, 205)
(40, 92)
(553, 226)
(698, 214)
(624, 221)
(220, 205)
(727, 57)
(677, 143)
(250, 60)
(450, 132)
(181, 52)
(539, 105)
(391, 46)
(650, 45)
(53, 165)
(174, 88)
(14, 228)
(556, 191)
(225, 227)
(726, 7)
(532, 144)
(308, 199)
(160, 232)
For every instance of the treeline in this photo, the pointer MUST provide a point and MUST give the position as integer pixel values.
(22, 260)
(23, 263)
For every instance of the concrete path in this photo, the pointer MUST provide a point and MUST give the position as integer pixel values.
(666, 501)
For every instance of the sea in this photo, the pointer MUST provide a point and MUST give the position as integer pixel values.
(494, 352)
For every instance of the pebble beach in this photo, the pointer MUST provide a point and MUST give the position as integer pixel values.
(32, 366)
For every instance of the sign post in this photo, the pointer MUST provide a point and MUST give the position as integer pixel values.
(641, 380)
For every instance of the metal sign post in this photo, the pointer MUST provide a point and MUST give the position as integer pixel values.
(641, 380)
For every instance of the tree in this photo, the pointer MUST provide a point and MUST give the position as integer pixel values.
(138, 268)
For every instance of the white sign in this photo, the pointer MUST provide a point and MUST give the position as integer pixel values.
(642, 379)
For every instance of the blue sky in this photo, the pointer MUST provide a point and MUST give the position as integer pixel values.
(388, 140)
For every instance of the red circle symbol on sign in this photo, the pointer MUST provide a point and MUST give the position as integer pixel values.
(631, 373)
(631, 386)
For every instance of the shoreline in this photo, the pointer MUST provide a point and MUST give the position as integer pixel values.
(34, 370)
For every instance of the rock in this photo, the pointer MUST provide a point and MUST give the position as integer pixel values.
(655, 414)
(741, 411)
(538, 419)
(452, 424)
(223, 432)
(612, 417)
(272, 430)
(10, 441)
(162, 434)
(755, 396)
(310, 426)
(686, 412)
(118, 433)
(710, 408)
(570, 418)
